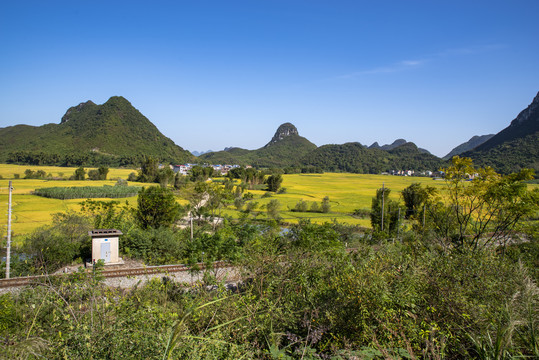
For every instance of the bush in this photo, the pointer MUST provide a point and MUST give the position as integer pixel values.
(301, 206)
(155, 246)
(326, 206)
(58, 245)
(361, 213)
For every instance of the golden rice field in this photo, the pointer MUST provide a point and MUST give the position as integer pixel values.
(30, 211)
(346, 192)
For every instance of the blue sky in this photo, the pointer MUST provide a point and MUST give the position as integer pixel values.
(212, 74)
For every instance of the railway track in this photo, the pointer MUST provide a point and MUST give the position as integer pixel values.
(117, 273)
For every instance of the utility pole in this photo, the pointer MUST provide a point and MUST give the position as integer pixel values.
(383, 195)
(8, 252)
(424, 212)
(398, 224)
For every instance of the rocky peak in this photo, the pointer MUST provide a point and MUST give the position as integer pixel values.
(286, 129)
(75, 109)
(530, 113)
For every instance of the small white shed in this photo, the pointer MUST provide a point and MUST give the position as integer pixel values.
(105, 245)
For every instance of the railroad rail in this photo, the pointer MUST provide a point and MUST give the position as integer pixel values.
(116, 273)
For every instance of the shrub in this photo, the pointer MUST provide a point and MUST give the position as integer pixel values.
(301, 206)
(362, 213)
(326, 206)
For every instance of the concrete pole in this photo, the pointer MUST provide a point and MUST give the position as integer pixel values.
(383, 195)
(8, 252)
(191, 227)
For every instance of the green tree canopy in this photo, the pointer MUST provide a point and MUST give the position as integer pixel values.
(157, 207)
(274, 182)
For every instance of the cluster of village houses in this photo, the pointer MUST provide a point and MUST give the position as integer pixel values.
(224, 169)
(414, 173)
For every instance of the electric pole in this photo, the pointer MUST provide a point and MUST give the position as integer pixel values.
(383, 194)
(8, 251)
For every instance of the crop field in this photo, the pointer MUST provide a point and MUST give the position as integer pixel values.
(31, 211)
(346, 192)
(8, 171)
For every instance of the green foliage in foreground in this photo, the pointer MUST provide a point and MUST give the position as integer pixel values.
(88, 192)
(299, 293)
(299, 296)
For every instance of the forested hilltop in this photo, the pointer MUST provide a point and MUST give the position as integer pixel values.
(283, 150)
(113, 134)
(356, 158)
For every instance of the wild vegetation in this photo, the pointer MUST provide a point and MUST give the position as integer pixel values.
(411, 289)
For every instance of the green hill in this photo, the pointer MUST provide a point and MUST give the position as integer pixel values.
(114, 133)
(515, 147)
(284, 149)
(474, 142)
(356, 158)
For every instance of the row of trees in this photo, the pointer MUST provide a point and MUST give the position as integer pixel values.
(81, 159)
(94, 174)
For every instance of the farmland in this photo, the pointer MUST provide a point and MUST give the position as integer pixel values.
(31, 211)
(347, 192)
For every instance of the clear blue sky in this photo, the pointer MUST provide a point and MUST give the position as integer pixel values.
(211, 74)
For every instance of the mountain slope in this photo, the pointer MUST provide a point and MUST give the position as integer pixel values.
(284, 149)
(109, 132)
(515, 147)
(474, 142)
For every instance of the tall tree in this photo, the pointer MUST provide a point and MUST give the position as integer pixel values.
(148, 169)
(157, 207)
(479, 206)
(274, 182)
(414, 197)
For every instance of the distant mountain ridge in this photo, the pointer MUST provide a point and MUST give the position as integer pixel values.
(474, 142)
(516, 146)
(117, 134)
(114, 132)
(394, 145)
(198, 153)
